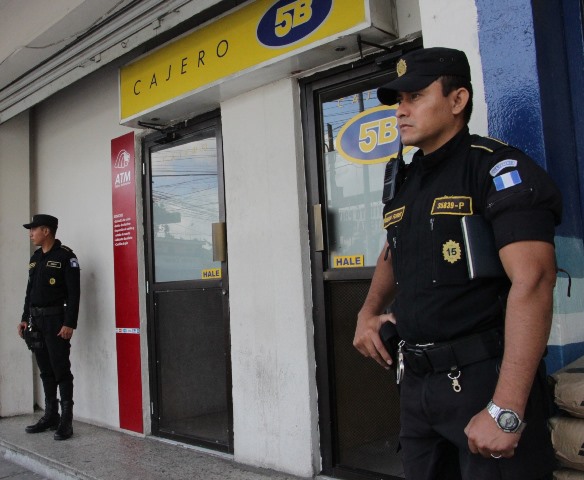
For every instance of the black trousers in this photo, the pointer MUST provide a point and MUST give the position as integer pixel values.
(53, 358)
(433, 418)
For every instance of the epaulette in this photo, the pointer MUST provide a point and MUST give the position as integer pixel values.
(488, 144)
(64, 247)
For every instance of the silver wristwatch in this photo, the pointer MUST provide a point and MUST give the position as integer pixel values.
(506, 419)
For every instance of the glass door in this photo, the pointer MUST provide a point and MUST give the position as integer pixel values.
(188, 289)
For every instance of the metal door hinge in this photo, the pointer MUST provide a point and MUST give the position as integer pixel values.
(318, 230)
(219, 239)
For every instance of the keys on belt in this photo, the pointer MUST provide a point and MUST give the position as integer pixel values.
(399, 373)
(449, 357)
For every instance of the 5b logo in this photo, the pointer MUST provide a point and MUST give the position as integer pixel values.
(377, 132)
(292, 15)
(290, 21)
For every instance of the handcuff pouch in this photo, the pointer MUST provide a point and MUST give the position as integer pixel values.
(32, 336)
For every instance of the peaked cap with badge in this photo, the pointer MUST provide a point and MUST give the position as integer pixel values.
(42, 220)
(419, 68)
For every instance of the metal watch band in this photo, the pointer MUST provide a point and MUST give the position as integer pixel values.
(497, 412)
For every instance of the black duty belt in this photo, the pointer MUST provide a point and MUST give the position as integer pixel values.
(450, 356)
(44, 311)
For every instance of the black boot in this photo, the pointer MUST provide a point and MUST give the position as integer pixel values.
(49, 420)
(65, 429)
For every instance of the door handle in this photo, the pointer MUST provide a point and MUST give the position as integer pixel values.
(318, 230)
(219, 239)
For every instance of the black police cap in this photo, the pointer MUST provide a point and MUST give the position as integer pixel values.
(419, 68)
(42, 220)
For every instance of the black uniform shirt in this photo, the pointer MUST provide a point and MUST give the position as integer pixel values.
(53, 280)
(435, 300)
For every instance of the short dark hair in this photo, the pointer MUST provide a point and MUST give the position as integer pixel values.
(451, 83)
(53, 230)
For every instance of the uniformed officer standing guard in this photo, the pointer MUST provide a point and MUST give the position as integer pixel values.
(473, 392)
(51, 307)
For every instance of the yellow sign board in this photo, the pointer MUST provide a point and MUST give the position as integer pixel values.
(210, 273)
(349, 261)
(255, 35)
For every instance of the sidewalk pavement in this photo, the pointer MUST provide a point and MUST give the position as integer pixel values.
(95, 453)
(13, 471)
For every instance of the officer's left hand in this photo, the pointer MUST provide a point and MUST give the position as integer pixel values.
(367, 340)
(65, 332)
(487, 439)
(21, 327)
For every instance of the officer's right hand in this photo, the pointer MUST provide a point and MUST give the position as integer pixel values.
(367, 339)
(21, 327)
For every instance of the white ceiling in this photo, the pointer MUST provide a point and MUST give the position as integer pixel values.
(31, 31)
(46, 45)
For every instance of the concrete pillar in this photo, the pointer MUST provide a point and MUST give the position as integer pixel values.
(274, 385)
(16, 365)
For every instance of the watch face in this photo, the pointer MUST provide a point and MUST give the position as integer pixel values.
(508, 420)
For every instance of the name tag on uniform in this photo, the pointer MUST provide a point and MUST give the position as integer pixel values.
(53, 264)
(394, 216)
(454, 205)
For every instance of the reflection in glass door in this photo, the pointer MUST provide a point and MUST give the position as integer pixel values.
(354, 185)
(188, 292)
(185, 203)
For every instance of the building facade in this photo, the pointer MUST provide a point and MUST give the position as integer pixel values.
(201, 159)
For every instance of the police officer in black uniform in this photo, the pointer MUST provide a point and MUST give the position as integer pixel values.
(51, 307)
(474, 402)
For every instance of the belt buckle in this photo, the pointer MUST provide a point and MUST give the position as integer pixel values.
(417, 357)
(423, 346)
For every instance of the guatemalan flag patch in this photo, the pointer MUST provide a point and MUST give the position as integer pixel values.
(507, 180)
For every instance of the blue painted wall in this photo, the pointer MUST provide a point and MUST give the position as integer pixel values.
(510, 74)
(533, 66)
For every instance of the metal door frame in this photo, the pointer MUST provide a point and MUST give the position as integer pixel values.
(379, 65)
(155, 142)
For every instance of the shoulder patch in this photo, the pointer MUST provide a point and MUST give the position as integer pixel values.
(502, 165)
(31, 265)
(488, 144)
(506, 180)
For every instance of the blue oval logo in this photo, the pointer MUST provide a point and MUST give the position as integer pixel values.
(370, 137)
(289, 21)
